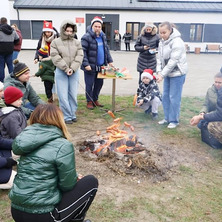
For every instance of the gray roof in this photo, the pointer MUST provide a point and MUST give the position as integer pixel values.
(153, 5)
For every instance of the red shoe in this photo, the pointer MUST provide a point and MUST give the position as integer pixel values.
(89, 105)
(96, 103)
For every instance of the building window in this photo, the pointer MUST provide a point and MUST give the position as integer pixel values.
(133, 28)
(37, 29)
(196, 32)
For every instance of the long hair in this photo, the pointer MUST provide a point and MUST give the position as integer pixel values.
(49, 114)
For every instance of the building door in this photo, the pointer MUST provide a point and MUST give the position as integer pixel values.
(107, 28)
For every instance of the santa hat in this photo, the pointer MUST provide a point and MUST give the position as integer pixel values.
(147, 73)
(11, 94)
(47, 27)
(1, 85)
(19, 68)
(43, 51)
(96, 19)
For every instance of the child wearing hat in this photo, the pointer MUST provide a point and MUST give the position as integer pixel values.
(12, 118)
(149, 97)
(46, 71)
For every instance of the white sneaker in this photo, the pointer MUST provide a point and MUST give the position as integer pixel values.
(172, 125)
(161, 122)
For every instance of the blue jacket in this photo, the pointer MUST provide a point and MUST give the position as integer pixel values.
(5, 151)
(89, 45)
(217, 114)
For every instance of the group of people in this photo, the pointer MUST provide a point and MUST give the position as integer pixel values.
(127, 37)
(47, 186)
(42, 151)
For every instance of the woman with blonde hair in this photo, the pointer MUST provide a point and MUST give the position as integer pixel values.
(47, 186)
(172, 67)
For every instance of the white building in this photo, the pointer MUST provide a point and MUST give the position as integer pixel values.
(198, 21)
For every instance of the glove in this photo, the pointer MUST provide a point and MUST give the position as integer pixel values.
(10, 162)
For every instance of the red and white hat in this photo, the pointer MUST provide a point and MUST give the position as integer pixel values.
(47, 27)
(147, 73)
(96, 19)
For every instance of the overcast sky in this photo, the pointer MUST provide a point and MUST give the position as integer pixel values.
(4, 9)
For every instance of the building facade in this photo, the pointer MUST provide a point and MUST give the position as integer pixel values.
(198, 21)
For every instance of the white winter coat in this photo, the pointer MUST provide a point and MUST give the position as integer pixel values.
(171, 57)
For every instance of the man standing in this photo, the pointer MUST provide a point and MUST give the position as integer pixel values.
(8, 38)
(127, 38)
(96, 54)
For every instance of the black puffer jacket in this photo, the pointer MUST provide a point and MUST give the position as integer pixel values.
(146, 60)
(89, 45)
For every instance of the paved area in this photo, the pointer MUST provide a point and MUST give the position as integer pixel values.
(202, 68)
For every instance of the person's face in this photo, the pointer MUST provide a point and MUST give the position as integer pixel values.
(218, 83)
(149, 29)
(164, 32)
(48, 34)
(146, 80)
(1, 93)
(97, 28)
(17, 103)
(69, 31)
(24, 77)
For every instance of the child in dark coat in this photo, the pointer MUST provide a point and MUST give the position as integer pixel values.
(12, 118)
(149, 97)
(46, 71)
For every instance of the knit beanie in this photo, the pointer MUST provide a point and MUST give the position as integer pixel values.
(47, 27)
(11, 94)
(19, 68)
(1, 85)
(43, 51)
(96, 19)
(147, 73)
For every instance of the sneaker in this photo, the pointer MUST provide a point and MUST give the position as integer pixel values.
(148, 111)
(69, 122)
(74, 120)
(162, 122)
(172, 125)
(96, 103)
(154, 116)
(89, 105)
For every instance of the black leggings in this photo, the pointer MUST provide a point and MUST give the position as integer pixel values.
(74, 204)
(48, 88)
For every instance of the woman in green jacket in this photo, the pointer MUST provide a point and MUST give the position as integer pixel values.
(47, 186)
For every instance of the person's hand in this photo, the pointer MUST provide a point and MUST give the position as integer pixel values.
(195, 120)
(159, 78)
(10, 162)
(140, 103)
(80, 176)
(111, 64)
(88, 68)
(146, 47)
(35, 61)
(69, 72)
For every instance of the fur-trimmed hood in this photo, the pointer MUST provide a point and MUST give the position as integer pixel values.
(154, 31)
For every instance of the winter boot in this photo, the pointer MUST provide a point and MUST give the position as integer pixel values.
(154, 116)
(90, 105)
(50, 100)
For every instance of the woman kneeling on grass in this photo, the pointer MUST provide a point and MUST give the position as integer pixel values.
(47, 186)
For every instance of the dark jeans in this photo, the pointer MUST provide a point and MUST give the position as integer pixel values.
(48, 88)
(93, 85)
(5, 59)
(74, 204)
(127, 45)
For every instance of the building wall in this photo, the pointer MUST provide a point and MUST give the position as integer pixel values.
(57, 16)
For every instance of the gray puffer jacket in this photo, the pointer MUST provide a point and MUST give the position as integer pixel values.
(13, 121)
(171, 57)
(66, 51)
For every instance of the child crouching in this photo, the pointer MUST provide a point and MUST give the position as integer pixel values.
(46, 71)
(148, 94)
(12, 118)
